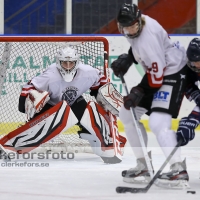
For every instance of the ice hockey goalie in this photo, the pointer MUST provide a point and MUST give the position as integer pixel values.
(98, 123)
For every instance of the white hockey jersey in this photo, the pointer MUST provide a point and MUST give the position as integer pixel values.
(155, 51)
(51, 81)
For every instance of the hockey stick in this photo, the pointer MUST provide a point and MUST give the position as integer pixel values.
(145, 189)
(135, 120)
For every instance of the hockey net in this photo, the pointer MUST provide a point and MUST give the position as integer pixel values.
(22, 58)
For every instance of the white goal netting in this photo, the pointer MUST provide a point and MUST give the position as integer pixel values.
(22, 58)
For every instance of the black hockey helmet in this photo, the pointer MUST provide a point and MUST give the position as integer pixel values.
(193, 53)
(128, 15)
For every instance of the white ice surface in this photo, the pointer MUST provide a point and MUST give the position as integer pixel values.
(87, 177)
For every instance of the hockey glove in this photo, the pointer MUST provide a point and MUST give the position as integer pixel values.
(195, 96)
(186, 129)
(122, 64)
(133, 99)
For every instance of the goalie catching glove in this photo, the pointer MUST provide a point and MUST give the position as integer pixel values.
(186, 129)
(35, 101)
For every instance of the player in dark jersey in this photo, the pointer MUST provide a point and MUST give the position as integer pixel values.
(188, 124)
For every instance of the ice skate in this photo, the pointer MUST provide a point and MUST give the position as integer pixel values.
(176, 178)
(138, 174)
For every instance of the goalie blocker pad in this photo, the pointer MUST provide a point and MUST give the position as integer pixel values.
(104, 136)
(40, 129)
(109, 98)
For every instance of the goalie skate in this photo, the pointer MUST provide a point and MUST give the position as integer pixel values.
(138, 174)
(176, 178)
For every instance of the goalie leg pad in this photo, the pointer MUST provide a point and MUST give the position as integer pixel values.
(41, 129)
(104, 137)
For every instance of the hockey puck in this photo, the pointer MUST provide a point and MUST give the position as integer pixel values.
(192, 192)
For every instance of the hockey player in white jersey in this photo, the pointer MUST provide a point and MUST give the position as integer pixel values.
(159, 94)
(65, 81)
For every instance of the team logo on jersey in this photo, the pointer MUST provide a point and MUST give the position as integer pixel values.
(182, 76)
(70, 94)
(177, 44)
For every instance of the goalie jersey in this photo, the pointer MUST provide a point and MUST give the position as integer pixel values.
(51, 81)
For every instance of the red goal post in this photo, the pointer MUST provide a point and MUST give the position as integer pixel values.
(23, 57)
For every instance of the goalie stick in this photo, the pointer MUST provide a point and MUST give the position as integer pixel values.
(145, 189)
(135, 121)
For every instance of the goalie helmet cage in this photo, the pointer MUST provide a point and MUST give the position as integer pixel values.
(22, 58)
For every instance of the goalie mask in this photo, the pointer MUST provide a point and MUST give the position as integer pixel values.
(193, 54)
(67, 61)
(129, 20)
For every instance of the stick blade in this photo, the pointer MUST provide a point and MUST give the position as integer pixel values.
(131, 190)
